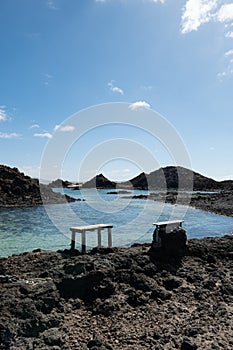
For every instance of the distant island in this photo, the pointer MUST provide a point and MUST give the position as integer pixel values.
(164, 178)
(19, 190)
(209, 195)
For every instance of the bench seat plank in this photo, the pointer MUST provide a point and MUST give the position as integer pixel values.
(90, 227)
(165, 223)
(83, 229)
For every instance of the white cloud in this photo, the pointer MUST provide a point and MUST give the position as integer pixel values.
(118, 90)
(114, 88)
(229, 53)
(196, 13)
(12, 135)
(45, 134)
(225, 13)
(226, 73)
(138, 105)
(221, 75)
(34, 126)
(3, 114)
(65, 128)
(229, 35)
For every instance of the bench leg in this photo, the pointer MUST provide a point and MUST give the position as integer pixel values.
(99, 237)
(109, 237)
(83, 242)
(72, 240)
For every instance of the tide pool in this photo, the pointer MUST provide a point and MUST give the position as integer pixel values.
(47, 227)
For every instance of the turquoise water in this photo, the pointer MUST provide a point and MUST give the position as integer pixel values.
(25, 229)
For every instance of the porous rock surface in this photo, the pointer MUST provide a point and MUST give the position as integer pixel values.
(120, 298)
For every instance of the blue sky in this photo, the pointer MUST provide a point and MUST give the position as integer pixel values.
(59, 57)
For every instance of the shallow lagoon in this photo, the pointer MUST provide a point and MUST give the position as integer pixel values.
(25, 229)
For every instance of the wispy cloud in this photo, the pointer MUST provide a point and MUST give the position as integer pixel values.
(64, 128)
(12, 135)
(115, 88)
(229, 53)
(225, 73)
(3, 114)
(229, 35)
(147, 87)
(228, 71)
(34, 126)
(138, 105)
(44, 135)
(48, 78)
(51, 5)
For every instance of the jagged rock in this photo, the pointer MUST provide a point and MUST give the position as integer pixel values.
(173, 178)
(99, 182)
(18, 190)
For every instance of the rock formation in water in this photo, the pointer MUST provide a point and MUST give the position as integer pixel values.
(59, 183)
(99, 182)
(18, 190)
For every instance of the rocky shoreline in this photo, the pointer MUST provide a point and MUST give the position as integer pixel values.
(18, 190)
(217, 202)
(120, 298)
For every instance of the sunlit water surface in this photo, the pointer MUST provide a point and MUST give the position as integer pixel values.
(25, 229)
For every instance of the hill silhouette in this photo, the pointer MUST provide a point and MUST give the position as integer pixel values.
(167, 178)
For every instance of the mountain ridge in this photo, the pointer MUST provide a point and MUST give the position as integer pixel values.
(164, 178)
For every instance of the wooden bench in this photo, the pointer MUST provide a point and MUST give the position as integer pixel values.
(84, 229)
(166, 227)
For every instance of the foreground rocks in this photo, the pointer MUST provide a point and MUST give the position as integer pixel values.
(18, 190)
(120, 298)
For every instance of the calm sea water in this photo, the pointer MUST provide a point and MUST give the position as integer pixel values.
(25, 229)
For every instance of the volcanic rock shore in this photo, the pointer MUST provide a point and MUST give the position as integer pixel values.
(19, 190)
(217, 202)
(120, 298)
